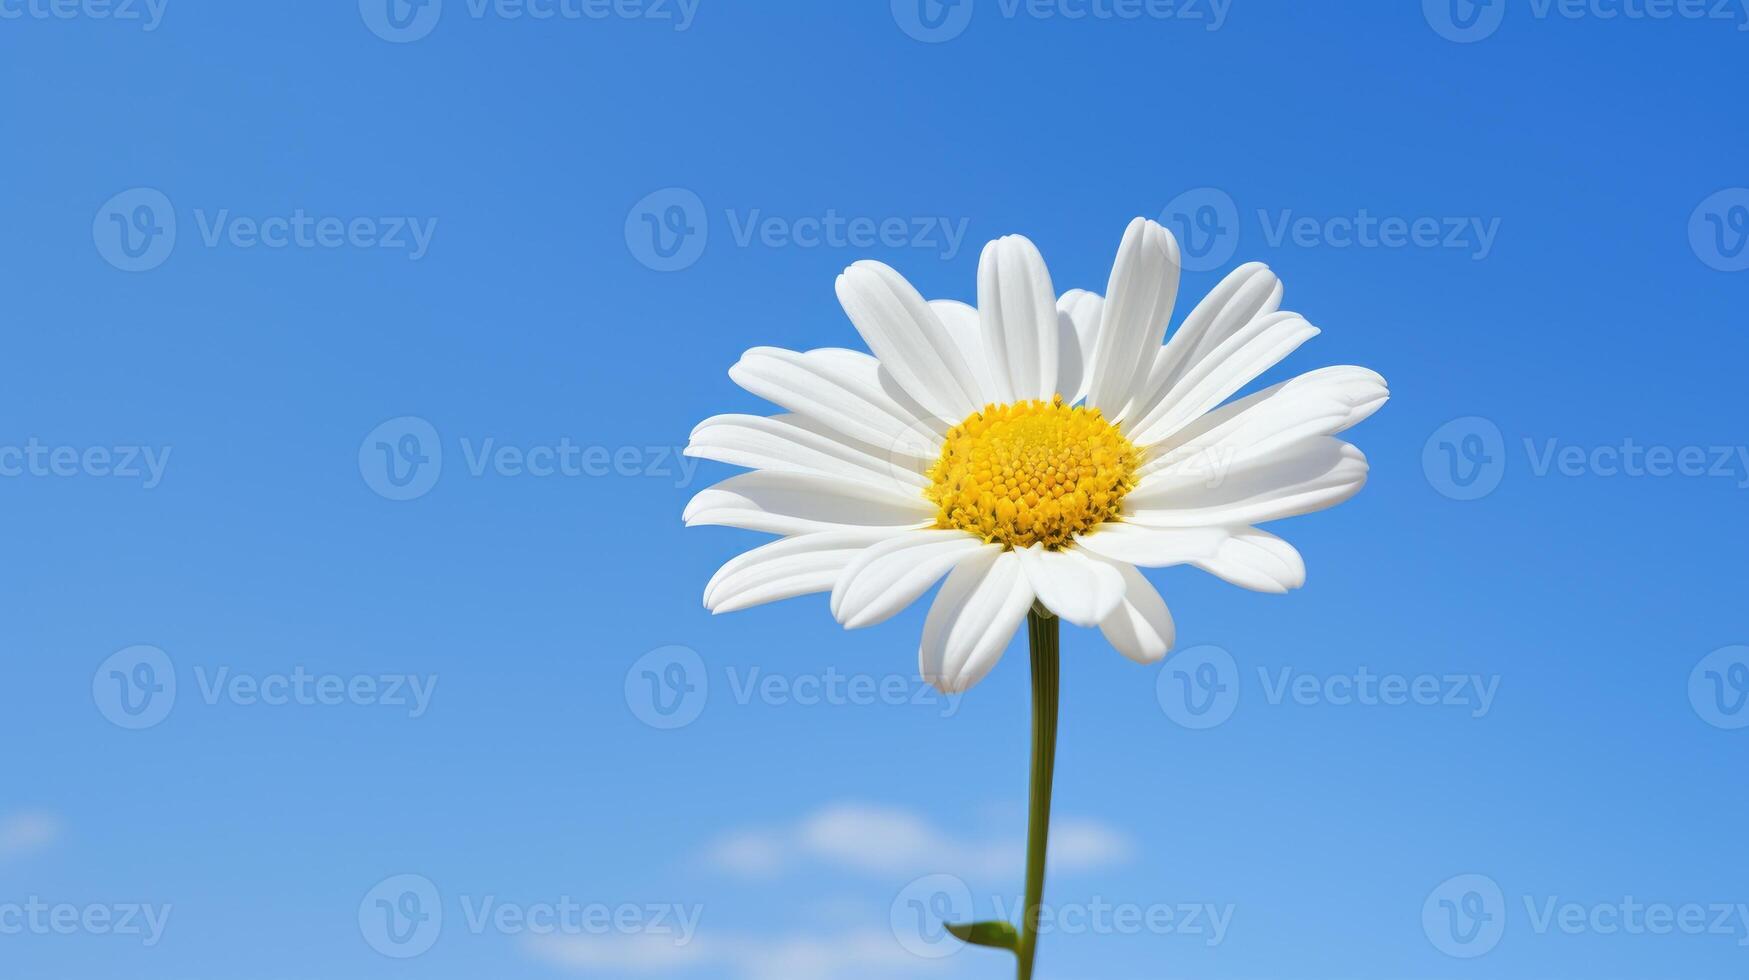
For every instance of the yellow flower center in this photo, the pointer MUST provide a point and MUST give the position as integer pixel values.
(1032, 473)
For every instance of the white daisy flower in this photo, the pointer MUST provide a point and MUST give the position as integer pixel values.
(1036, 449)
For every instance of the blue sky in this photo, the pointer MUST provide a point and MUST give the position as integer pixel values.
(352, 630)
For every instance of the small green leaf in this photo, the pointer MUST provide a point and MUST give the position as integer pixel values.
(1000, 935)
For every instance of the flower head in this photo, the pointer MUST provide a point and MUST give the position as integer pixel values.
(1033, 449)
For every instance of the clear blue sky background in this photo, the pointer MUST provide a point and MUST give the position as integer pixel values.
(1604, 308)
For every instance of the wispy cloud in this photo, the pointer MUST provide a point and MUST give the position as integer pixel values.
(887, 841)
(858, 955)
(27, 832)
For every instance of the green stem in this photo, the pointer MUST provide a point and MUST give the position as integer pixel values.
(1041, 628)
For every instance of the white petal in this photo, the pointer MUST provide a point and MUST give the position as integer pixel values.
(890, 576)
(1298, 479)
(1247, 293)
(795, 503)
(1079, 589)
(1141, 626)
(1254, 349)
(1138, 305)
(1019, 313)
(967, 331)
(974, 616)
(908, 337)
(1152, 547)
(841, 389)
(1257, 560)
(786, 568)
(790, 444)
(1078, 313)
(1318, 403)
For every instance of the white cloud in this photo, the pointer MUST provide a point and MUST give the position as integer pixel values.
(888, 842)
(27, 832)
(857, 955)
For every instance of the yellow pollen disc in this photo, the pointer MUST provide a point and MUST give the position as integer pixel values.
(1032, 473)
